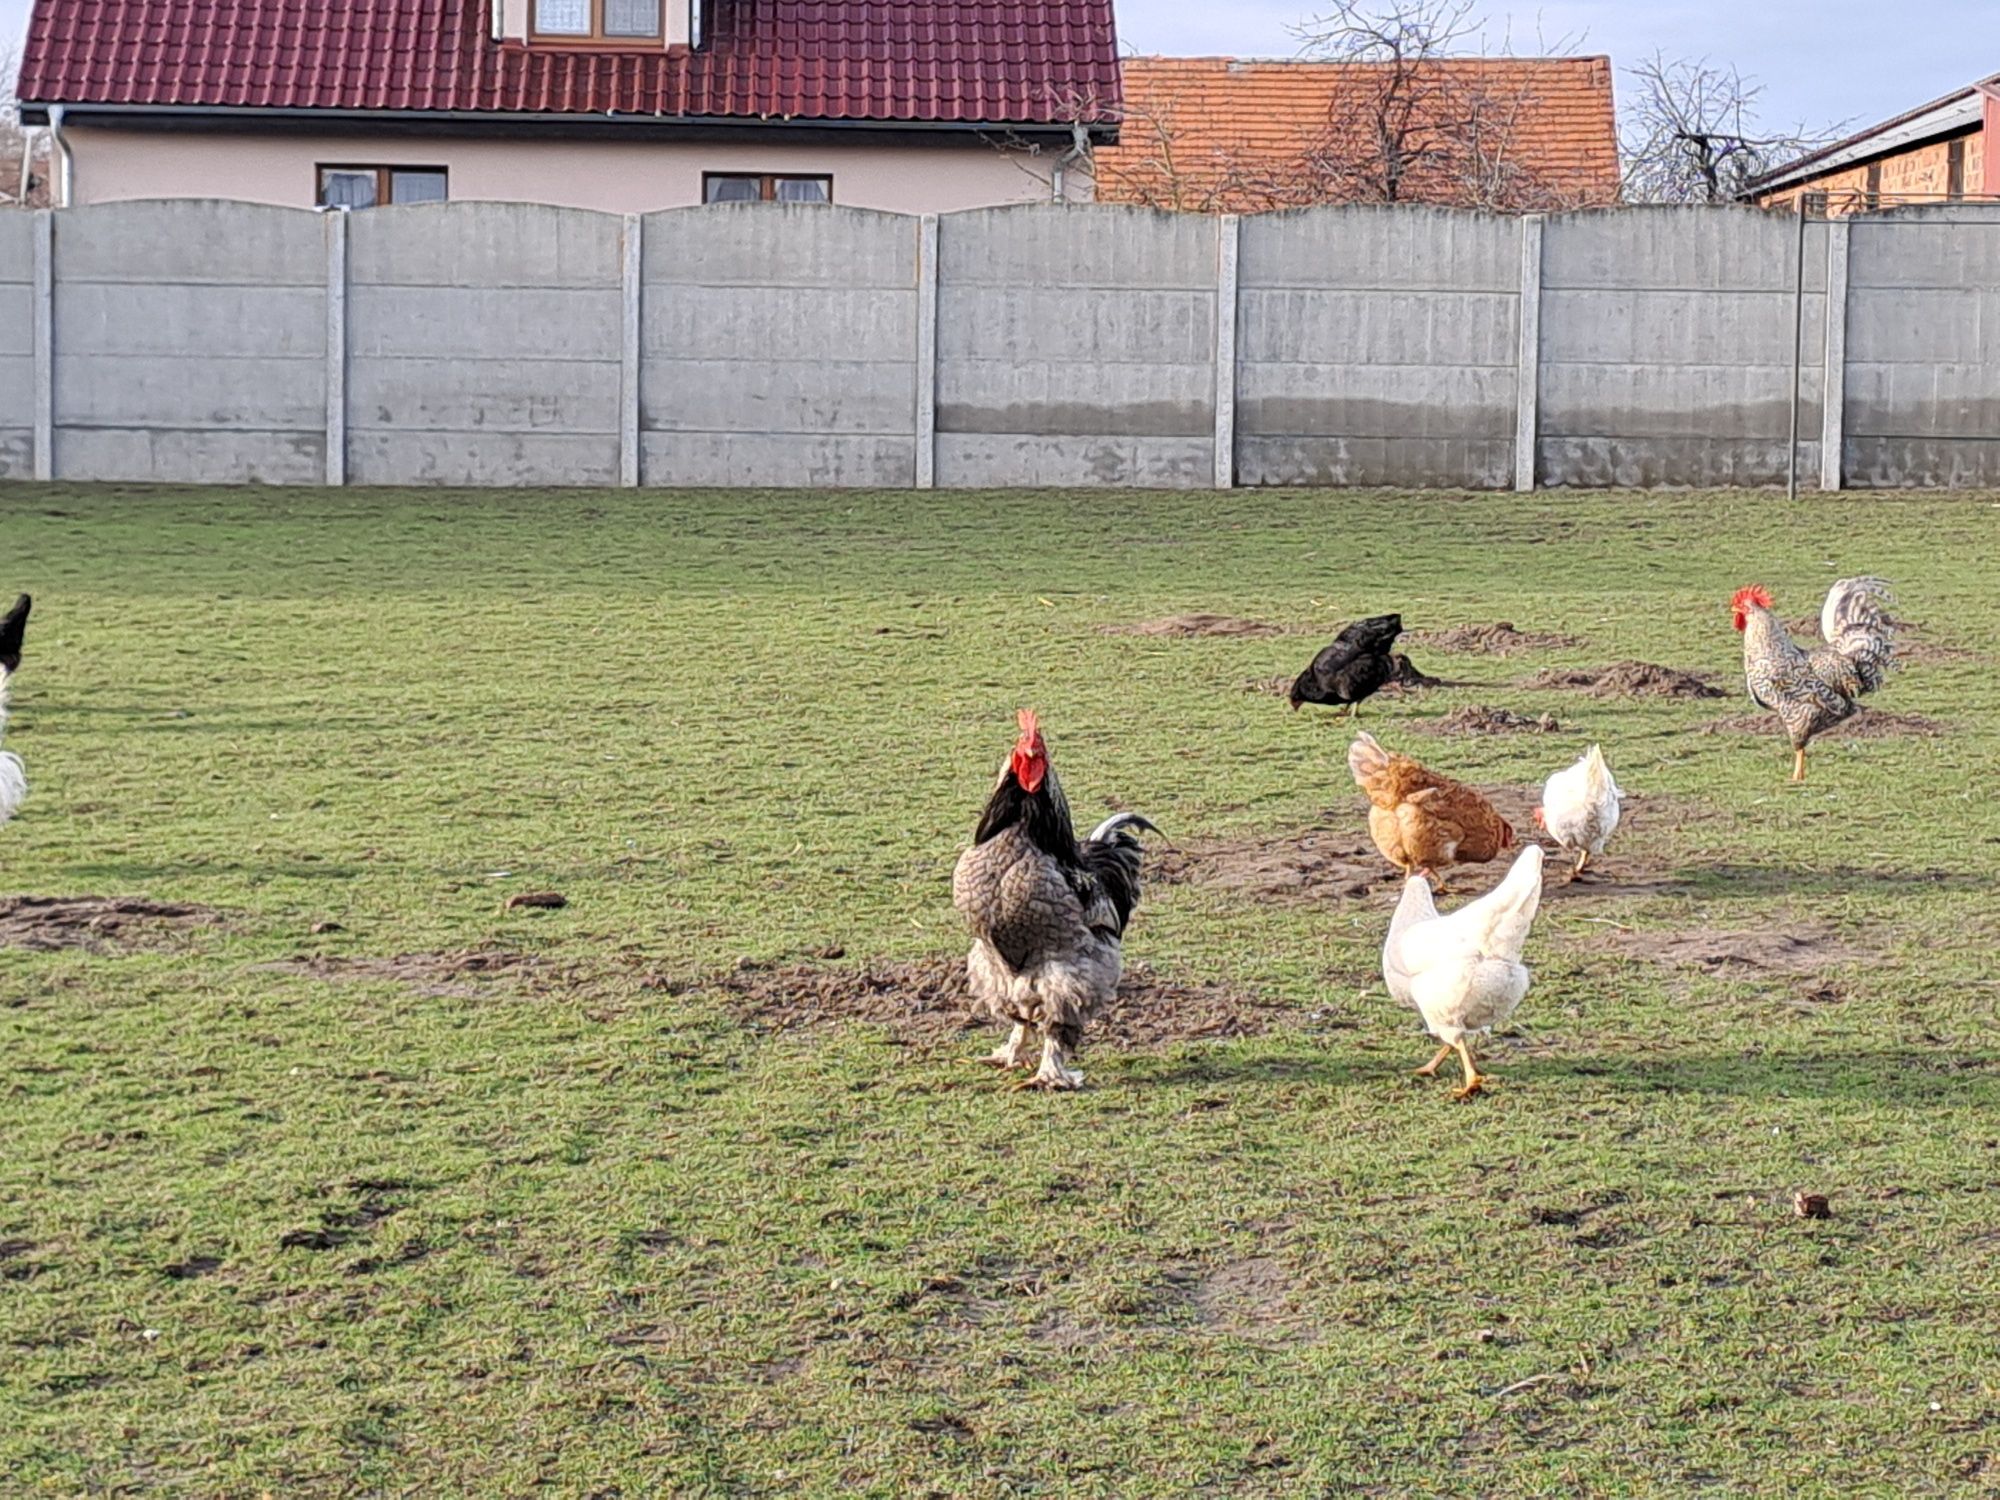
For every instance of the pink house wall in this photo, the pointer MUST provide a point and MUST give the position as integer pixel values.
(614, 177)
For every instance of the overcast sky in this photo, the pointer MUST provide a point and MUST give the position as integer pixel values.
(1821, 61)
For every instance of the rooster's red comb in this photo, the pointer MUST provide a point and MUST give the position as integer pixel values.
(1031, 726)
(1756, 594)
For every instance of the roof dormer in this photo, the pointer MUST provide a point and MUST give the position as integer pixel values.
(601, 23)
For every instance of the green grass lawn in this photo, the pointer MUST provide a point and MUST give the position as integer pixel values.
(580, 1226)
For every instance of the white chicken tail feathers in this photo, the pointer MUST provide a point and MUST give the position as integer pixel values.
(1365, 758)
(13, 776)
(1117, 821)
(1417, 905)
(1515, 901)
(1855, 621)
(1598, 772)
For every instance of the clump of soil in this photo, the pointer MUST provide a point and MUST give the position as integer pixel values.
(1197, 625)
(1766, 950)
(925, 1003)
(1869, 724)
(1498, 639)
(437, 976)
(1409, 676)
(1314, 867)
(1627, 679)
(96, 924)
(1482, 720)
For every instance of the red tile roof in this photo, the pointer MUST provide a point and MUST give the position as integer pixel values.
(1224, 134)
(1022, 62)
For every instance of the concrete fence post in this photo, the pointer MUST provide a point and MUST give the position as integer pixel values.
(336, 348)
(1228, 247)
(1833, 389)
(45, 345)
(1528, 364)
(927, 351)
(628, 358)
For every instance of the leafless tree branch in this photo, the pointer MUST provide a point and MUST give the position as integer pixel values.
(1690, 133)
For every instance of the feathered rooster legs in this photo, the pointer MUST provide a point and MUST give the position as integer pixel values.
(1055, 1072)
(1012, 1053)
(1475, 1081)
(1429, 1069)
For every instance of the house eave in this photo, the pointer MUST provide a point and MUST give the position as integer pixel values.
(244, 119)
(1954, 114)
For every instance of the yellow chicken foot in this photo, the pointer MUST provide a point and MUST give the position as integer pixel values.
(1430, 1068)
(1475, 1081)
(1436, 880)
(1798, 765)
(1582, 860)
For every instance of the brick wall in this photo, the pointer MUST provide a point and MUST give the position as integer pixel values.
(1921, 174)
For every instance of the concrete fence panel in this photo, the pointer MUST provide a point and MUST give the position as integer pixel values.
(189, 343)
(1923, 349)
(483, 345)
(1076, 348)
(778, 346)
(1667, 353)
(17, 345)
(1378, 346)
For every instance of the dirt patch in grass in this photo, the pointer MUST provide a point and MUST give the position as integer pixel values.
(1869, 724)
(97, 924)
(1765, 950)
(1626, 679)
(1482, 720)
(439, 976)
(1199, 625)
(1251, 1299)
(1497, 639)
(925, 1003)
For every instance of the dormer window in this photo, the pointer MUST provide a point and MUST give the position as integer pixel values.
(598, 20)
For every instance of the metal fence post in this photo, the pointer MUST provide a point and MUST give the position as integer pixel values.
(1528, 361)
(1833, 384)
(45, 345)
(336, 348)
(629, 355)
(1229, 243)
(927, 351)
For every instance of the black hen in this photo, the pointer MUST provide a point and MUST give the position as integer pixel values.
(1354, 667)
(13, 632)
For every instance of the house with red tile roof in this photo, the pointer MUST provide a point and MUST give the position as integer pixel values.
(618, 105)
(1233, 135)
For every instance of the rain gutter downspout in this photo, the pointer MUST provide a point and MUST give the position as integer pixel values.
(1079, 150)
(65, 160)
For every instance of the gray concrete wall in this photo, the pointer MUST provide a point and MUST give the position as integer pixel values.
(190, 343)
(1666, 354)
(1923, 349)
(1378, 346)
(1076, 348)
(764, 345)
(17, 345)
(778, 347)
(483, 345)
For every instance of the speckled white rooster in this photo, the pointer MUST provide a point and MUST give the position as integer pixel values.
(1463, 970)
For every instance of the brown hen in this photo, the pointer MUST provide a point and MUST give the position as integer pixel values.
(1422, 822)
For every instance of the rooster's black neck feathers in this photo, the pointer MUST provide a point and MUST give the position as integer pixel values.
(1042, 814)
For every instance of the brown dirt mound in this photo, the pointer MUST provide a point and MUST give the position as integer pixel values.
(1869, 724)
(1770, 950)
(925, 1003)
(1498, 639)
(1314, 867)
(1199, 624)
(97, 924)
(1483, 720)
(1626, 679)
(438, 976)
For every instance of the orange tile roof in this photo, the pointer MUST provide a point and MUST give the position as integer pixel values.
(1223, 134)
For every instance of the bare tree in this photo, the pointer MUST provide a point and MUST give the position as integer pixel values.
(1419, 121)
(19, 178)
(1690, 133)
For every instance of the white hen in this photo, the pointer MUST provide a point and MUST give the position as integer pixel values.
(13, 778)
(1463, 971)
(1580, 808)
